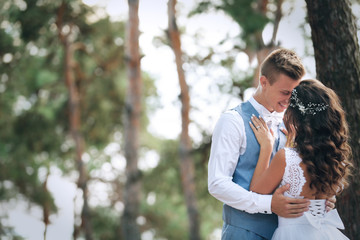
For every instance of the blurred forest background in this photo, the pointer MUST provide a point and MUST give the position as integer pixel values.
(99, 140)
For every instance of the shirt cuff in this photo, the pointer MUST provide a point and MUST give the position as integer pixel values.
(264, 204)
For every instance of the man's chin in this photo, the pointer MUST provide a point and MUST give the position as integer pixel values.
(281, 108)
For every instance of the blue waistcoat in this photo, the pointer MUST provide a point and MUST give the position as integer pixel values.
(261, 224)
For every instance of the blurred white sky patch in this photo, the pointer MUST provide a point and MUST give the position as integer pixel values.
(63, 191)
(242, 61)
(116, 9)
(149, 161)
(28, 220)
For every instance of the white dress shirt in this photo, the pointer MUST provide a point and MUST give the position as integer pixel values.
(228, 143)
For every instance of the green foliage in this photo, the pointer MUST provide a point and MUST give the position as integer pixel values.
(32, 19)
(246, 13)
(210, 208)
(45, 77)
(34, 104)
(5, 43)
(32, 130)
(105, 223)
(102, 80)
(166, 214)
(9, 233)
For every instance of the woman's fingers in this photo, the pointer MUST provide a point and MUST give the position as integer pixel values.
(284, 131)
(258, 122)
(263, 123)
(252, 126)
(264, 136)
(255, 127)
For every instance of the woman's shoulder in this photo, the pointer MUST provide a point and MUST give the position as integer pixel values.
(280, 156)
(281, 151)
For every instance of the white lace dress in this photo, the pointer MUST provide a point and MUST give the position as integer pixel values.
(314, 224)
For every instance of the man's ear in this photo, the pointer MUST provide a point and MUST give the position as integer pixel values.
(263, 81)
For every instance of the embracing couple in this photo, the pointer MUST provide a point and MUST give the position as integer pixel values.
(283, 152)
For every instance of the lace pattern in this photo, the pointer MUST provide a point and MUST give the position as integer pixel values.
(293, 175)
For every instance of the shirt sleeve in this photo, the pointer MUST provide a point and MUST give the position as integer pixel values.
(227, 140)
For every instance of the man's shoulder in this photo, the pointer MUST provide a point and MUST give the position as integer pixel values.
(230, 117)
(231, 113)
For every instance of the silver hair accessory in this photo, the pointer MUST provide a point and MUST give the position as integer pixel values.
(310, 108)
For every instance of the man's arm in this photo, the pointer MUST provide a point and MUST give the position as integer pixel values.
(227, 140)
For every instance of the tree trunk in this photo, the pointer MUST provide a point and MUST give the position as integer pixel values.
(262, 50)
(337, 58)
(46, 206)
(75, 124)
(132, 126)
(186, 163)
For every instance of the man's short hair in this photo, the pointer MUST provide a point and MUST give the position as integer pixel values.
(283, 61)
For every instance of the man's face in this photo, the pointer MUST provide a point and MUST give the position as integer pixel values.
(278, 94)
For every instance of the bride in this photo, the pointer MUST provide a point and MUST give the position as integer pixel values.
(314, 162)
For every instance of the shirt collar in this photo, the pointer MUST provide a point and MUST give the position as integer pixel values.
(266, 114)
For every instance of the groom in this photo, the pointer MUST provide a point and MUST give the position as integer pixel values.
(235, 151)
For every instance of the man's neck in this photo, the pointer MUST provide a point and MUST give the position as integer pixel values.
(260, 99)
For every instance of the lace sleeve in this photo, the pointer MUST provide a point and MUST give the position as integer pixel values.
(293, 174)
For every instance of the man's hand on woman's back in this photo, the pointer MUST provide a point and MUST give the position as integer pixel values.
(288, 207)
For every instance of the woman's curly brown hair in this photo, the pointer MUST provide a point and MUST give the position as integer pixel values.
(321, 139)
